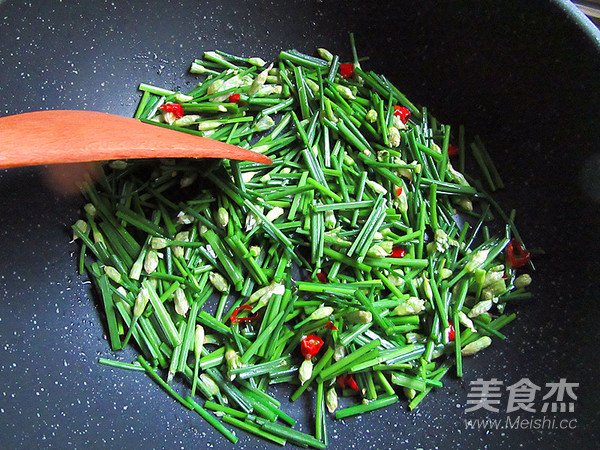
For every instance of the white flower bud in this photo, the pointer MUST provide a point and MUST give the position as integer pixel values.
(207, 125)
(321, 312)
(222, 217)
(481, 308)
(209, 383)
(371, 116)
(140, 302)
(118, 164)
(199, 337)
(331, 400)
(393, 136)
(186, 121)
(359, 317)
(325, 54)
(218, 281)
(112, 273)
(339, 352)
(256, 61)
(474, 347)
(305, 371)
(181, 302)
(523, 281)
(329, 219)
(258, 82)
(157, 243)
(413, 305)
(345, 92)
(90, 209)
(82, 227)
(376, 187)
(275, 213)
(263, 124)
(464, 319)
(476, 260)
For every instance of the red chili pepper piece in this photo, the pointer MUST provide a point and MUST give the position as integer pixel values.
(311, 345)
(347, 381)
(322, 277)
(331, 326)
(346, 70)
(452, 150)
(234, 98)
(398, 252)
(450, 332)
(174, 108)
(516, 256)
(235, 319)
(398, 192)
(403, 112)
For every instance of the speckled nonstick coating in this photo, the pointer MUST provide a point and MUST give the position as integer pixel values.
(524, 75)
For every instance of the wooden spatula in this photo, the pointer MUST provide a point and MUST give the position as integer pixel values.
(67, 136)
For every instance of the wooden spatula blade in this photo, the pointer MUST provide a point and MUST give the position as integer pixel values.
(70, 136)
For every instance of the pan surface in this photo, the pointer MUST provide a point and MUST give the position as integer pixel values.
(524, 75)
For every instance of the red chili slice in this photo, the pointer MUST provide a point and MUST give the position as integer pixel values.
(450, 332)
(516, 256)
(398, 251)
(174, 108)
(235, 319)
(322, 277)
(234, 98)
(331, 326)
(402, 112)
(346, 70)
(311, 345)
(452, 150)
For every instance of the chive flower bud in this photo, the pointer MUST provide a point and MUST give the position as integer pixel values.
(312, 85)
(182, 236)
(481, 308)
(207, 125)
(82, 226)
(348, 160)
(305, 371)
(413, 305)
(475, 346)
(113, 274)
(476, 260)
(339, 352)
(445, 273)
(256, 61)
(321, 312)
(397, 123)
(263, 295)
(331, 400)
(218, 281)
(158, 243)
(359, 317)
(211, 387)
(181, 302)
(258, 82)
(523, 281)
(198, 340)
(426, 287)
(263, 124)
(464, 202)
(345, 92)
(325, 54)
(188, 180)
(494, 289)
(151, 261)
(254, 251)
(329, 219)
(197, 68)
(118, 164)
(275, 213)
(464, 320)
(393, 136)
(377, 187)
(493, 275)
(90, 209)
(415, 338)
(377, 250)
(140, 302)
(233, 362)
(222, 217)
(456, 176)
(186, 121)
(371, 116)
(395, 279)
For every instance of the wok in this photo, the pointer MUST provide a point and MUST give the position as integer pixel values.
(525, 76)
